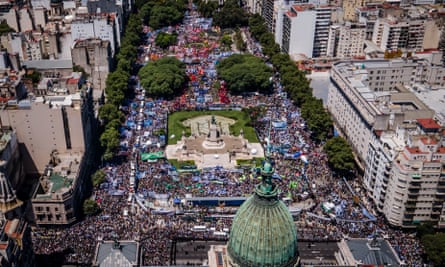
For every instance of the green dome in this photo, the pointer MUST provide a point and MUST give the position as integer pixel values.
(263, 233)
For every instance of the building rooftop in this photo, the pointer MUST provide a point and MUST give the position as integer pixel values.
(49, 64)
(59, 179)
(117, 254)
(322, 253)
(373, 103)
(428, 123)
(435, 99)
(59, 182)
(377, 252)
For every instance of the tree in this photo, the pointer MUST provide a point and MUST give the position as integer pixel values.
(98, 178)
(164, 40)
(317, 119)
(239, 42)
(425, 228)
(77, 68)
(257, 26)
(206, 8)
(434, 247)
(90, 207)
(34, 75)
(340, 157)
(164, 15)
(4, 28)
(231, 15)
(109, 139)
(226, 41)
(109, 112)
(245, 73)
(127, 51)
(164, 77)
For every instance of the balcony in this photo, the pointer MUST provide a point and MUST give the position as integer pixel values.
(440, 193)
(412, 196)
(416, 175)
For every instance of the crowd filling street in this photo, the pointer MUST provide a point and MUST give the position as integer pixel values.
(144, 200)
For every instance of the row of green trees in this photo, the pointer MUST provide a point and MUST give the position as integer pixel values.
(156, 14)
(297, 86)
(116, 87)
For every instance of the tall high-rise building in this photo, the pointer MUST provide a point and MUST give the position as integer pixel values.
(311, 22)
(391, 34)
(346, 41)
(416, 184)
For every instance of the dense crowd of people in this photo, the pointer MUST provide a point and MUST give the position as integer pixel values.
(336, 209)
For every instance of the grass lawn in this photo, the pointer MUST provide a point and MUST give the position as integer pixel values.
(255, 162)
(179, 164)
(175, 126)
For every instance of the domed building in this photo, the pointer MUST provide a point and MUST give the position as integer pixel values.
(263, 233)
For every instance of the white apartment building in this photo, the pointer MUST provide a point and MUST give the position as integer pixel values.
(391, 34)
(267, 9)
(346, 41)
(383, 148)
(416, 186)
(393, 130)
(311, 22)
(280, 9)
(322, 23)
(293, 30)
(366, 96)
(368, 16)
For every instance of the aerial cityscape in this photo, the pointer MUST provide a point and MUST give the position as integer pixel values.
(258, 133)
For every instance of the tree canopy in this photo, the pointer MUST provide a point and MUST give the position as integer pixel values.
(90, 207)
(98, 177)
(231, 15)
(164, 77)
(245, 73)
(109, 112)
(434, 247)
(340, 157)
(158, 14)
(226, 41)
(110, 141)
(162, 16)
(206, 8)
(4, 28)
(164, 40)
(318, 122)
